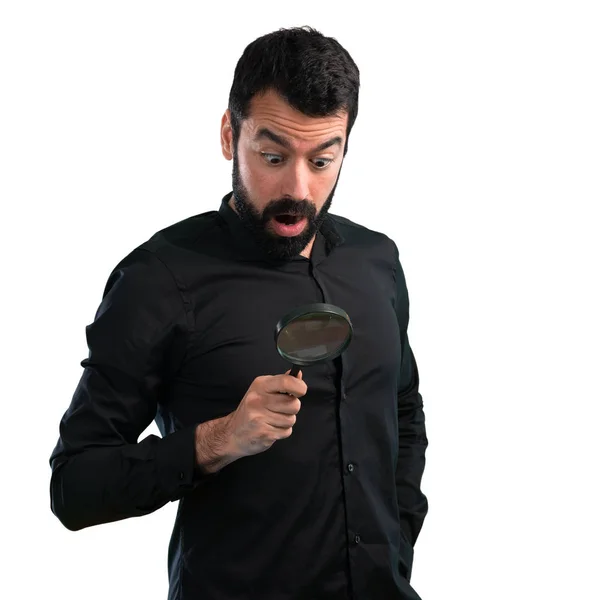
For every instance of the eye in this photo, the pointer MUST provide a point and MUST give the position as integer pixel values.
(272, 159)
(322, 163)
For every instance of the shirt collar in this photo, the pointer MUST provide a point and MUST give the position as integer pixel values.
(327, 238)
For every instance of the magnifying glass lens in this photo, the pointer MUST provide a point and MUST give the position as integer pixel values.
(313, 336)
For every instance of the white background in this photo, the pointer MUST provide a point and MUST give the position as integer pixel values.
(477, 148)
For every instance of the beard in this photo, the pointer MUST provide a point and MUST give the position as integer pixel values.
(276, 246)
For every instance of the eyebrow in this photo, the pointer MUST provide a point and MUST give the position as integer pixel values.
(264, 132)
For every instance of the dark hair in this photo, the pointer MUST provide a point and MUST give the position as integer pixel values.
(314, 74)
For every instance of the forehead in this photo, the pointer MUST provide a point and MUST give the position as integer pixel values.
(272, 111)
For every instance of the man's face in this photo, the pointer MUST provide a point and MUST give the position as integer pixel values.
(285, 170)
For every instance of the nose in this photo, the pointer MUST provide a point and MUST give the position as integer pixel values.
(296, 183)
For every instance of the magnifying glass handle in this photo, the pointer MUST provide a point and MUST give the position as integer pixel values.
(295, 370)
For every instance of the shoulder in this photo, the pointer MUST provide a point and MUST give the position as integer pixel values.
(375, 247)
(192, 234)
(145, 288)
(374, 243)
(157, 259)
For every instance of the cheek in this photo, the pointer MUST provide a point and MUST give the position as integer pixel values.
(323, 185)
(258, 180)
(264, 187)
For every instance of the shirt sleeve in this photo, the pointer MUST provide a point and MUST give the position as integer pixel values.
(100, 472)
(412, 503)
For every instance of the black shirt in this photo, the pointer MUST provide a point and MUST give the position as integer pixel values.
(185, 325)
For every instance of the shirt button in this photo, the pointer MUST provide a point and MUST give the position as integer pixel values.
(350, 467)
(357, 539)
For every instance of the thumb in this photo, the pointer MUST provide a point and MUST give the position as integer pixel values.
(299, 376)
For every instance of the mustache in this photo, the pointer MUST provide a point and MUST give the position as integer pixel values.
(289, 206)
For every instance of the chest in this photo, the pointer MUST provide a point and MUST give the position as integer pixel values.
(235, 317)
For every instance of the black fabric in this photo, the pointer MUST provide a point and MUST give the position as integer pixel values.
(185, 325)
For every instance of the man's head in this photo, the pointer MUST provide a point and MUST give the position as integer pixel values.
(292, 105)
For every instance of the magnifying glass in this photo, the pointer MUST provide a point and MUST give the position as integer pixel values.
(312, 333)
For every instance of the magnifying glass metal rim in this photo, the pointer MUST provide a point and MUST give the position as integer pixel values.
(306, 309)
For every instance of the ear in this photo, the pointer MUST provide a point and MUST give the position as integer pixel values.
(227, 136)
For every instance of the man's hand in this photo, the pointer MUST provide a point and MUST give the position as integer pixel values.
(267, 413)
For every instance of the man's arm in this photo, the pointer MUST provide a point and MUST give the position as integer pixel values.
(100, 473)
(412, 503)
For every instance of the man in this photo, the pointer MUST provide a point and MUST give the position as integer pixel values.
(301, 487)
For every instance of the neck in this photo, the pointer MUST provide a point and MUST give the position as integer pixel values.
(307, 251)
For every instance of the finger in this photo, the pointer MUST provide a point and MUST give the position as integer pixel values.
(284, 384)
(281, 421)
(280, 433)
(283, 403)
(299, 376)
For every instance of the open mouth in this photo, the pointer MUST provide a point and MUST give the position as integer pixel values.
(288, 219)
(289, 225)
